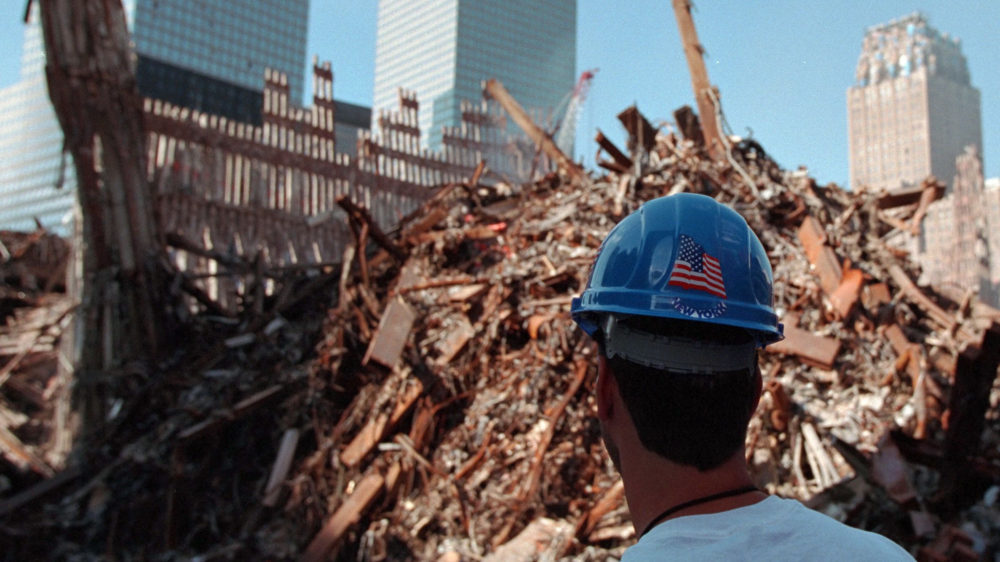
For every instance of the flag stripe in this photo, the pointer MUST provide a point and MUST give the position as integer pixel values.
(683, 269)
(693, 277)
(695, 269)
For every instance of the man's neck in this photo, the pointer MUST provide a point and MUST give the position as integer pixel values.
(654, 485)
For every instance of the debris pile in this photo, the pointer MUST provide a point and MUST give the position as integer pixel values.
(431, 398)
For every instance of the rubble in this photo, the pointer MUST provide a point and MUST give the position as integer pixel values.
(430, 398)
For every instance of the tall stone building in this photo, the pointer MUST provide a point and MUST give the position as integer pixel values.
(442, 50)
(912, 109)
(913, 113)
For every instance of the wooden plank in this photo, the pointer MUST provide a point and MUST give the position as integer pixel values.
(344, 518)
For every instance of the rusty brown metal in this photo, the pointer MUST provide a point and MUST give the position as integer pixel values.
(815, 350)
(641, 133)
(694, 52)
(541, 139)
(822, 257)
(621, 162)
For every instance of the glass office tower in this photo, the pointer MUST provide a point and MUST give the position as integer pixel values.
(444, 49)
(36, 179)
(211, 55)
(208, 55)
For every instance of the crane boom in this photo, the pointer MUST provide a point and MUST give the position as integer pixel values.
(566, 129)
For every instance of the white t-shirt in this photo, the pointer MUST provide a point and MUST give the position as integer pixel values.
(773, 529)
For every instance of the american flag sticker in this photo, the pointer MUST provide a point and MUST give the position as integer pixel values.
(694, 269)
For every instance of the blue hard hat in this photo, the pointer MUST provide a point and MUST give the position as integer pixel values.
(684, 257)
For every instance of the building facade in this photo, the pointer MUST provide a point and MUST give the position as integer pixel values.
(913, 109)
(350, 121)
(991, 198)
(956, 245)
(36, 179)
(913, 113)
(442, 51)
(209, 56)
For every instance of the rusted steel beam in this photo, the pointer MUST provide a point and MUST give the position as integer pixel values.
(640, 132)
(541, 139)
(938, 314)
(379, 425)
(180, 242)
(617, 155)
(360, 214)
(911, 196)
(689, 124)
(813, 349)
(820, 255)
(694, 51)
(346, 516)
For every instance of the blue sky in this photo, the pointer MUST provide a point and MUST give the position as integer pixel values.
(782, 66)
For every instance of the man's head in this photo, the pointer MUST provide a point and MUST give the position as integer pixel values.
(679, 300)
(690, 417)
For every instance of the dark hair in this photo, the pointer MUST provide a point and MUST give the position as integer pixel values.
(693, 419)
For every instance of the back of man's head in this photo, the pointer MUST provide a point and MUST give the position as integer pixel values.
(680, 298)
(694, 418)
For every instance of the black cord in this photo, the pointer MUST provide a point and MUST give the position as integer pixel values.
(704, 499)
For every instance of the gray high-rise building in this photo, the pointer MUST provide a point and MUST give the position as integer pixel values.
(912, 109)
(442, 50)
(208, 55)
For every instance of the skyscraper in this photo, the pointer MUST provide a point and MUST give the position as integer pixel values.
(913, 112)
(36, 179)
(211, 55)
(208, 55)
(443, 49)
(912, 109)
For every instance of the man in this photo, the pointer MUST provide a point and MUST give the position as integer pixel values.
(679, 300)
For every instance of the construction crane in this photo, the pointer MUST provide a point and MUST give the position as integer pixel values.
(565, 129)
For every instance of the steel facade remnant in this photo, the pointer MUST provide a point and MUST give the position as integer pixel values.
(272, 190)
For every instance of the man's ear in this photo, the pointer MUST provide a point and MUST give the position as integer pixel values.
(607, 389)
